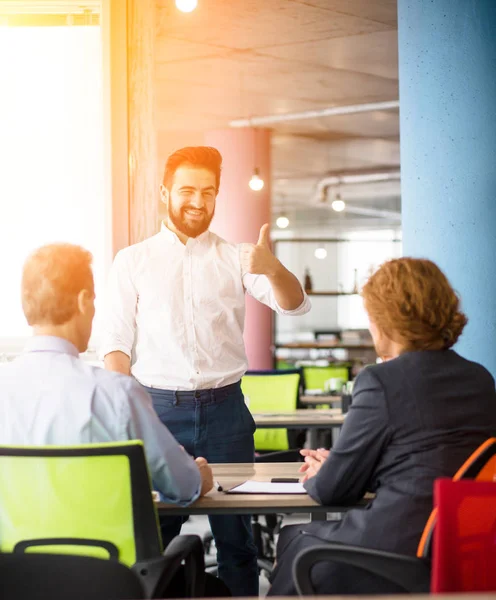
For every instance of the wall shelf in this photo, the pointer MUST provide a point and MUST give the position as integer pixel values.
(325, 346)
(331, 317)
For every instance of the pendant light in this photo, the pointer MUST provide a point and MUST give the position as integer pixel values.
(282, 220)
(338, 204)
(256, 183)
(186, 6)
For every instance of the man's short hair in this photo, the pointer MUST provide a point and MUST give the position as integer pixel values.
(52, 278)
(194, 156)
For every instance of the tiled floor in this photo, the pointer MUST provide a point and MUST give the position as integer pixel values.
(200, 526)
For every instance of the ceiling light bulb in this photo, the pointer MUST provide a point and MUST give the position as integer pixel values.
(282, 222)
(186, 5)
(338, 205)
(256, 183)
(320, 253)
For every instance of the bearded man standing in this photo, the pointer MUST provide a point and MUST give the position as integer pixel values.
(175, 322)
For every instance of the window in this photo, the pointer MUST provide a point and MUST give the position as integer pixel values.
(52, 183)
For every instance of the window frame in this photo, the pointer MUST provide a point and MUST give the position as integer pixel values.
(113, 26)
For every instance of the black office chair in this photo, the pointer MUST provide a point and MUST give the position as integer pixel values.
(62, 576)
(93, 500)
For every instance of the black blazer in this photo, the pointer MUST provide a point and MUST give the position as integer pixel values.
(413, 419)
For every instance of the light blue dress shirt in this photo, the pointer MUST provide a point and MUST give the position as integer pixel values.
(49, 396)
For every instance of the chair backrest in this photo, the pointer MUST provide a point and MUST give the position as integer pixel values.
(480, 466)
(464, 553)
(58, 577)
(272, 391)
(314, 377)
(92, 500)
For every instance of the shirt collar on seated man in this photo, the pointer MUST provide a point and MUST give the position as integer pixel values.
(50, 343)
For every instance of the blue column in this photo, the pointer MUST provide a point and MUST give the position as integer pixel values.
(447, 70)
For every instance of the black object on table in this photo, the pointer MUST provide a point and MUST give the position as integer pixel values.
(345, 403)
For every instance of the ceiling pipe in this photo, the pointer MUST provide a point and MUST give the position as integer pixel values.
(359, 210)
(373, 212)
(357, 178)
(332, 111)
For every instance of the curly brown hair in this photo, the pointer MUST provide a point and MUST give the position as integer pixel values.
(412, 302)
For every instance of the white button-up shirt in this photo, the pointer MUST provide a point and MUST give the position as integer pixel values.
(178, 310)
(49, 396)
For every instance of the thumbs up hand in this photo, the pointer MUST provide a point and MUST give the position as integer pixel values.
(258, 258)
(264, 236)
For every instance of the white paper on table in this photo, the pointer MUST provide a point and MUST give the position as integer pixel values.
(267, 487)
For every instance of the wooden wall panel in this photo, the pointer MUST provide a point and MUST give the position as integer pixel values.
(143, 181)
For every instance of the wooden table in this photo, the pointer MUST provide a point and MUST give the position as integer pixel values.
(317, 399)
(302, 419)
(229, 475)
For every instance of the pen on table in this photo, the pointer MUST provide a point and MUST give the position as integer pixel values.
(218, 487)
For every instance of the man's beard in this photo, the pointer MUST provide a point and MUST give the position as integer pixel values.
(179, 220)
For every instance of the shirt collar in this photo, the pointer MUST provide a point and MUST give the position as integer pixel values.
(173, 239)
(50, 343)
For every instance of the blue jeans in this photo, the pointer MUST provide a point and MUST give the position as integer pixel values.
(217, 425)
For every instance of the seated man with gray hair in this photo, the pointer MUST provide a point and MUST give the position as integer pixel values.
(49, 396)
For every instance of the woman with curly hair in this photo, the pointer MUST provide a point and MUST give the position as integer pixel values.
(415, 417)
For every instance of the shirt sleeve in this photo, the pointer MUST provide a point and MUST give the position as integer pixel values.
(346, 474)
(173, 471)
(119, 324)
(258, 286)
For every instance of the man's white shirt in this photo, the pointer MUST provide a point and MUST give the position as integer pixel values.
(178, 310)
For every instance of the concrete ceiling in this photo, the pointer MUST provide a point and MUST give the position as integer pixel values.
(233, 59)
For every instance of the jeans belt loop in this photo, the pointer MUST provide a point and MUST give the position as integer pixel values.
(176, 399)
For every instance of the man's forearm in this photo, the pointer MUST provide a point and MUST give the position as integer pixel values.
(118, 361)
(287, 289)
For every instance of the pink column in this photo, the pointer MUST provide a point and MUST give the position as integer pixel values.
(240, 213)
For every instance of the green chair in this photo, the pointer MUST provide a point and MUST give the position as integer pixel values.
(283, 365)
(272, 392)
(91, 500)
(314, 377)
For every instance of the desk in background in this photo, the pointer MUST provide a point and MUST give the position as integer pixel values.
(318, 399)
(302, 419)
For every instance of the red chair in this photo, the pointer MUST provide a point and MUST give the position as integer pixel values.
(413, 574)
(479, 466)
(464, 556)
